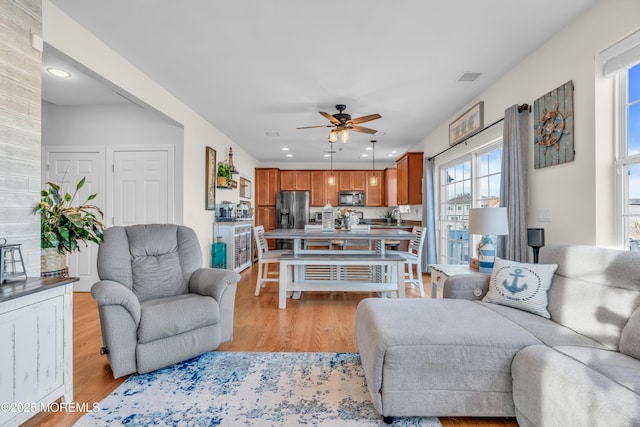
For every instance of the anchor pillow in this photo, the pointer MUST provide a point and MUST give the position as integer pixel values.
(520, 285)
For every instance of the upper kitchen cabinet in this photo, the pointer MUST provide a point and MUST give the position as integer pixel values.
(391, 186)
(321, 190)
(267, 184)
(295, 181)
(375, 193)
(351, 180)
(409, 170)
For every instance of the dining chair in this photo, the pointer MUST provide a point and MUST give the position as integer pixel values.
(357, 243)
(316, 243)
(266, 257)
(413, 256)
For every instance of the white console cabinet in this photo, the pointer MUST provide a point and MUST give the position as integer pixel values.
(238, 237)
(36, 360)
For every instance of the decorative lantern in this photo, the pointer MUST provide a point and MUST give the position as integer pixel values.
(328, 218)
(11, 262)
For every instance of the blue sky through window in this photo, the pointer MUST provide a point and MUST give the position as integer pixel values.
(633, 112)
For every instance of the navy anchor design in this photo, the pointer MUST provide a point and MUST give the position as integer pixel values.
(513, 287)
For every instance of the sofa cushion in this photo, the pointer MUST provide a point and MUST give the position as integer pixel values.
(551, 388)
(437, 357)
(595, 290)
(165, 317)
(618, 367)
(547, 331)
(521, 285)
(630, 338)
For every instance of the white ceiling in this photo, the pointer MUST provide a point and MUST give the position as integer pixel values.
(253, 66)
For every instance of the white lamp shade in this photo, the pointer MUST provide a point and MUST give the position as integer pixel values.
(488, 221)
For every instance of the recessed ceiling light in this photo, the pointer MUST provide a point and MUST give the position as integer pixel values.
(285, 148)
(327, 155)
(390, 155)
(365, 155)
(368, 149)
(272, 133)
(393, 151)
(58, 72)
(289, 155)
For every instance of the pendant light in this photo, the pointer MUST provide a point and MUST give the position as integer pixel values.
(373, 180)
(332, 179)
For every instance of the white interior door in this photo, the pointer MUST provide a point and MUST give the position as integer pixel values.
(72, 167)
(142, 187)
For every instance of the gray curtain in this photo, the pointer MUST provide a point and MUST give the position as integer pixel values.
(429, 254)
(513, 187)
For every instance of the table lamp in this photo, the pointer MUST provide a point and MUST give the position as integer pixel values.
(488, 222)
(535, 239)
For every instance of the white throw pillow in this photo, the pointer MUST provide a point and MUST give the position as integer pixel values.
(520, 285)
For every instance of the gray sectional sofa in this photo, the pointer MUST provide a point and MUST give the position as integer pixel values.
(460, 356)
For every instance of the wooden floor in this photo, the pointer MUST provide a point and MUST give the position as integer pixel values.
(316, 322)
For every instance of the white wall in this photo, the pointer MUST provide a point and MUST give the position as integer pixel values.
(579, 194)
(66, 35)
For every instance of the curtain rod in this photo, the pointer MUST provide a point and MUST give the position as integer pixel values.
(521, 108)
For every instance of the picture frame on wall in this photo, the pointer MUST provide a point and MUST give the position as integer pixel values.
(245, 188)
(467, 125)
(210, 179)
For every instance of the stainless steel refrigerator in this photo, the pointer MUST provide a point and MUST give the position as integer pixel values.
(292, 211)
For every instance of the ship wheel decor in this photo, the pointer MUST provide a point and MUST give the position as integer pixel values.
(553, 117)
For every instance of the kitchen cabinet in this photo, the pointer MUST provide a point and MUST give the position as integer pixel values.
(375, 193)
(409, 175)
(391, 187)
(266, 216)
(294, 181)
(321, 190)
(238, 237)
(351, 180)
(267, 182)
(36, 362)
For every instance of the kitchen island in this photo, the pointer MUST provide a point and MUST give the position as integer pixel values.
(348, 270)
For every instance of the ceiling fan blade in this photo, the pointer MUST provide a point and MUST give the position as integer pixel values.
(311, 127)
(366, 118)
(330, 118)
(363, 129)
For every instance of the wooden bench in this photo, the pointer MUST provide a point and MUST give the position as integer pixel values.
(340, 273)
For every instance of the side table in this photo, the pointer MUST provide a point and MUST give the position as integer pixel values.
(441, 272)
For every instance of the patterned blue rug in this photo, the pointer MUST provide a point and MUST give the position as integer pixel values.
(248, 389)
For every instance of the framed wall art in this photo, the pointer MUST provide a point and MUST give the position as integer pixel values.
(210, 179)
(245, 188)
(467, 125)
(553, 127)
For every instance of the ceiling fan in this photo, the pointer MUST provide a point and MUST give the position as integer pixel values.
(343, 123)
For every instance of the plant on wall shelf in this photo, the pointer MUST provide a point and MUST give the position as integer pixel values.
(224, 172)
(63, 225)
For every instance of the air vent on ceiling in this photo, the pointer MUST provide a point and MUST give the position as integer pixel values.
(468, 77)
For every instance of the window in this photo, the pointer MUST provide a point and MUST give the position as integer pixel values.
(469, 180)
(628, 162)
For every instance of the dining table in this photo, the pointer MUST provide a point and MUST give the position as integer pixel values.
(369, 268)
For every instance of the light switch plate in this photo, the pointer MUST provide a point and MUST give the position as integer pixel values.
(544, 215)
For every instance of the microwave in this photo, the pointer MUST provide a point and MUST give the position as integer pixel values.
(351, 198)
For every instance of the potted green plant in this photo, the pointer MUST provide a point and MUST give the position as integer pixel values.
(224, 173)
(63, 224)
(388, 215)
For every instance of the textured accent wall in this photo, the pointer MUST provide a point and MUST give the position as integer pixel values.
(20, 111)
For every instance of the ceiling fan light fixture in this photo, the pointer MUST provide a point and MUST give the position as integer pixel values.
(344, 136)
(333, 136)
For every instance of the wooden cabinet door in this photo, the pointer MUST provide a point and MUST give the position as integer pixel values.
(294, 181)
(403, 180)
(267, 182)
(351, 180)
(391, 187)
(375, 193)
(321, 190)
(410, 171)
(266, 216)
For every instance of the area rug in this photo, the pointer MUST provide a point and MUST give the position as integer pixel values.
(248, 389)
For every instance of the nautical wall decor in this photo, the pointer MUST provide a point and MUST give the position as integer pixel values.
(553, 127)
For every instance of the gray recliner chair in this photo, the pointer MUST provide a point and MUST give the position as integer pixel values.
(157, 305)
